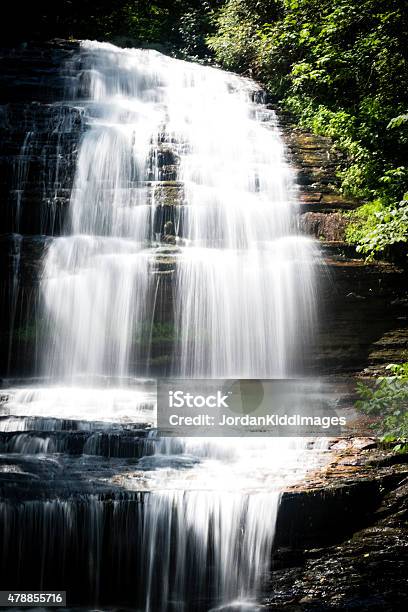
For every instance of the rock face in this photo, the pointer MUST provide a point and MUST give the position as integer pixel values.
(317, 163)
(41, 129)
(40, 136)
(39, 143)
(325, 226)
(363, 314)
(342, 543)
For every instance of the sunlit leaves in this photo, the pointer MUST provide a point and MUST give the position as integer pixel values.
(340, 66)
(387, 402)
(396, 122)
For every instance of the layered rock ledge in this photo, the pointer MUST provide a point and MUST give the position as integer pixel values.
(363, 318)
(342, 537)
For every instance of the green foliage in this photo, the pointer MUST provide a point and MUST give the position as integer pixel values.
(177, 26)
(401, 120)
(387, 403)
(239, 23)
(376, 228)
(341, 67)
(193, 27)
(156, 334)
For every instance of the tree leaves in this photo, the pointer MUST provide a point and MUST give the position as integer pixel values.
(387, 398)
(341, 67)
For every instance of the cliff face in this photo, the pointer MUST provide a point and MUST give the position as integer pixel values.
(41, 128)
(39, 143)
(40, 136)
(341, 540)
(88, 520)
(317, 163)
(364, 306)
(363, 314)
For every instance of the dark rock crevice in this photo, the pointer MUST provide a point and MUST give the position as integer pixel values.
(341, 541)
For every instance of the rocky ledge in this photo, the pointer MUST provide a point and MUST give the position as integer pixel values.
(363, 314)
(342, 538)
(317, 163)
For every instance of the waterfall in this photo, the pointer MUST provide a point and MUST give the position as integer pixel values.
(243, 287)
(179, 255)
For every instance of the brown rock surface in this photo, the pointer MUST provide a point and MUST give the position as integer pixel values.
(360, 559)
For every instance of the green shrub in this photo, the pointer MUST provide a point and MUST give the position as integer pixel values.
(340, 66)
(387, 402)
(377, 228)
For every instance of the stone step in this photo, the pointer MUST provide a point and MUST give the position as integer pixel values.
(46, 477)
(16, 424)
(104, 443)
(324, 226)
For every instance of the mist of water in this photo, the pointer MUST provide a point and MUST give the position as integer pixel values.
(243, 287)
(241, 304)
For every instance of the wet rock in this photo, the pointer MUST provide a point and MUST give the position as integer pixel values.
(365, 571)
(169, 235)
(362, 317)
(314, 156)
(287, 557)
(387, 459)
(326, 514)
(353, 444)
(104, 443)
(326, 226)
(363, 314)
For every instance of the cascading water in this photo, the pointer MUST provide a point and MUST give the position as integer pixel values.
(243, 291)
(244, 297)
(193, 149)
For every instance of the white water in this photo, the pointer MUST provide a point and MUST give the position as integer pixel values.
(243, 289)
(243, 294)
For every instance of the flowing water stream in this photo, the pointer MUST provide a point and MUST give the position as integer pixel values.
(181, 222)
